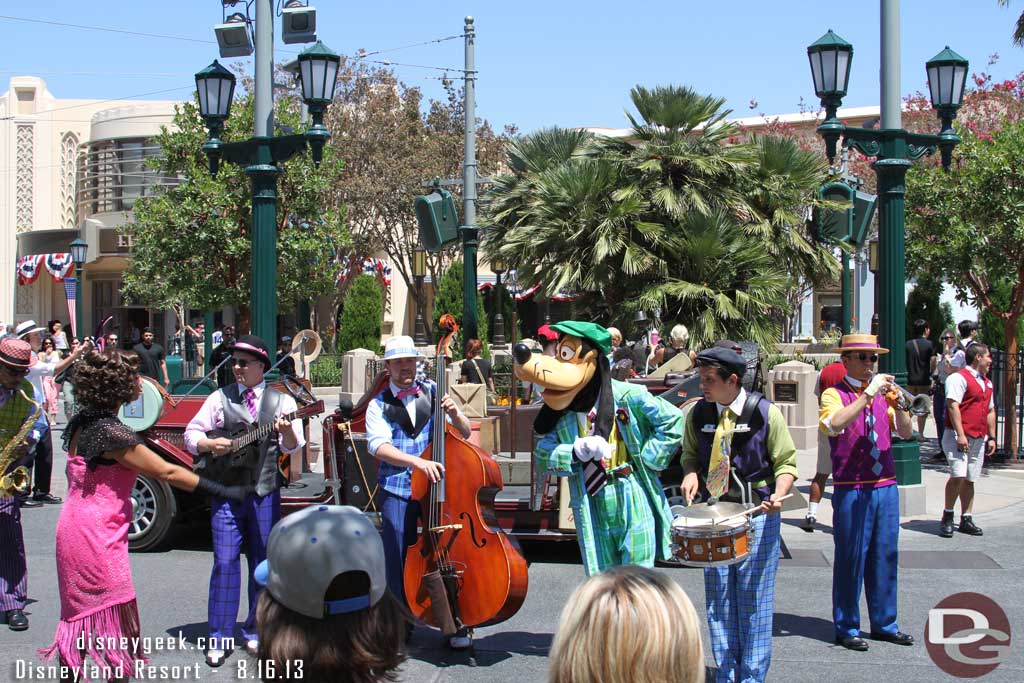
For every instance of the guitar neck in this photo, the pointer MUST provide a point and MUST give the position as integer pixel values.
(260, 431)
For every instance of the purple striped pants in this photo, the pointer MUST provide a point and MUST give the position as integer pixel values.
(13, 568)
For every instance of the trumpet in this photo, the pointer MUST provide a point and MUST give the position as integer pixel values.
(901, 399)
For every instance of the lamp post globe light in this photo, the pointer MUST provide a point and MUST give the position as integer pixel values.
(498, 266)
(261, 154)
(79, 249)
(419, 271)
(893, 149)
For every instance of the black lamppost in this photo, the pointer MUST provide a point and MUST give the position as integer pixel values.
(79, 248)
(419, 271)
(499, 267)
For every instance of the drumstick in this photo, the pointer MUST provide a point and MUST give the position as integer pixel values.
(750, 511)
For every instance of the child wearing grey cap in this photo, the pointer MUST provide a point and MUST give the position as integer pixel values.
(326, 613)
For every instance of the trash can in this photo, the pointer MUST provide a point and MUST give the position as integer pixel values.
(175, 366)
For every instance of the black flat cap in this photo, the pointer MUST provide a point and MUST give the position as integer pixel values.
(727, 358)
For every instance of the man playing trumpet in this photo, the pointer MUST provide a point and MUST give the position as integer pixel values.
(859, 421)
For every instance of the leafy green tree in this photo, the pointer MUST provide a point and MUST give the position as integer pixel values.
(449, 300)
(992, 331)
(965, 227)
(192, 241)
(923, 304)
(362, 315)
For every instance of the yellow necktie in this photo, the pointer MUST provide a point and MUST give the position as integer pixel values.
(718, 468)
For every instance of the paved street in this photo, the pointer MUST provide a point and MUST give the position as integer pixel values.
(171, 587)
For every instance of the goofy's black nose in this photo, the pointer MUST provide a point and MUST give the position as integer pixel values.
(522, 353)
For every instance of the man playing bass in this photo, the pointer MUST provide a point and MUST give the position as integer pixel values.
(398, 430)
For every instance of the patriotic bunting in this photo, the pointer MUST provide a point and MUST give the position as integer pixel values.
(28, 269)
(59, 265)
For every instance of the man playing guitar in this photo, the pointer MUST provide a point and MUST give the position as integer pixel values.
(231, 408)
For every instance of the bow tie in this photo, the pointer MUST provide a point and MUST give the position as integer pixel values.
(411, 391)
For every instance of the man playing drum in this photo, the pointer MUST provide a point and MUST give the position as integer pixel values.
(736, 444)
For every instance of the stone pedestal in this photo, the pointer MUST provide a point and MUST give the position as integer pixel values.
(791, 387)
(353, 374)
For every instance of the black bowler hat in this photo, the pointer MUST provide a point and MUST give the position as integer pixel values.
(727, 358)
(254, 346)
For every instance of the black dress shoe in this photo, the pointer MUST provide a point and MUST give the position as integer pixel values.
(852, 643)
(898, 638)
(967, 527)
(16, 620)
(26, 502)
(47, 498)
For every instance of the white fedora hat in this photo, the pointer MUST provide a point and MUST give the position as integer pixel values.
(26, 328)
(400, 347)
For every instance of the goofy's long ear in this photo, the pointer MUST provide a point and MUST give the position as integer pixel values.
(605, 404)
(546, 419)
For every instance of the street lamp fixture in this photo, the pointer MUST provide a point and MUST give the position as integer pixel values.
(873, 255)
(318, 71)
(947, 76)
(419, 271)
(215, 87)
(79, 249)
(831, 58)
(499, 266)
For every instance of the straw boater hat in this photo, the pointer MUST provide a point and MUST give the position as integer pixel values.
(860, 342)
(16, 353)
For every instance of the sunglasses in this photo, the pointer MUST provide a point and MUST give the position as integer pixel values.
(864, 357)
(242, 362)
(946, 338)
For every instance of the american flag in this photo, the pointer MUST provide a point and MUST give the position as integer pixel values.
(70, 289)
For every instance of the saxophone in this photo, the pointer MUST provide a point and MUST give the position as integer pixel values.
(16, 482)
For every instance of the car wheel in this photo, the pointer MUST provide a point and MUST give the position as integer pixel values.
(154, 510)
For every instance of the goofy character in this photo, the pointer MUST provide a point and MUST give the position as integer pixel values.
(610, 439)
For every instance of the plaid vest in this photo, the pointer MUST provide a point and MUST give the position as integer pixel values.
(392, 478)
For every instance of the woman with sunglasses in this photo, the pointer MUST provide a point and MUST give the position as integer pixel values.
(49, 354)
(951, 359)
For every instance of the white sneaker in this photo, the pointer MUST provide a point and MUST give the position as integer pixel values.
(215, 658)
(252, 647)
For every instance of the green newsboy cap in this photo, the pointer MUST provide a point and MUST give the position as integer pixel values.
(592, 332)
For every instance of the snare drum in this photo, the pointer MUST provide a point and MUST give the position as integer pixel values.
(143, 412)
(701, 539)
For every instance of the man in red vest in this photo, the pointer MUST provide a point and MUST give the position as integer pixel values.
(969, 436)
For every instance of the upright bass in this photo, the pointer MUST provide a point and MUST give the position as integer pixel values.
(463, 571)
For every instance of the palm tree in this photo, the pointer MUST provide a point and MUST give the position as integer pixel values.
(722, 284)
(1018, 32)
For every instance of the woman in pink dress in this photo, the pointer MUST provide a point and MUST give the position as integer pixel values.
(48, 354)
(97, 597)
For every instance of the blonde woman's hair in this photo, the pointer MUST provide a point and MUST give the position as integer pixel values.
(614, 332)
(628, 625)
(680, 334)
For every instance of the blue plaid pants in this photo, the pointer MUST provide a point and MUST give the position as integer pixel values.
(236, 526)
(740, 602)
(13, 569)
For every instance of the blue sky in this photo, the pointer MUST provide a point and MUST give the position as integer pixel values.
(560, 62)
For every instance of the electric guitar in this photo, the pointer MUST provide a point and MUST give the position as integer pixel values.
(243, 439)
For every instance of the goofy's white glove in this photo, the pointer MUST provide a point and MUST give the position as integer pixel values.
(587, 448)
(878, 382)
